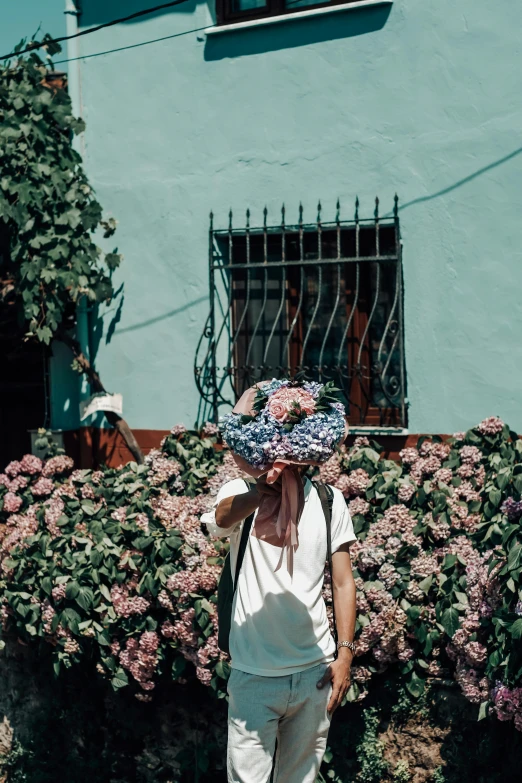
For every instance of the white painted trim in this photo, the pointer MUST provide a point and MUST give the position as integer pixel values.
(377, 431)
(309, 12)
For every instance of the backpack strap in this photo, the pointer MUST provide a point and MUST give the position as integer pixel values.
(326, 496)
(247, 527)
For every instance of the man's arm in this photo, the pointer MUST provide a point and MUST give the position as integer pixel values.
(238, 507)
(344, 597)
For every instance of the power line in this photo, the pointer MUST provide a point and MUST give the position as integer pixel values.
(131, 46)
(38, 45)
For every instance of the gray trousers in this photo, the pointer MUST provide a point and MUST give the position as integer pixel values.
(289, 710)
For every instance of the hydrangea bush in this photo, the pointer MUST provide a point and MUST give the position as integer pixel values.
(113, 567)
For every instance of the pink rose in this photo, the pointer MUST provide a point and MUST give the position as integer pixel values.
(283, 401)
(278, 410)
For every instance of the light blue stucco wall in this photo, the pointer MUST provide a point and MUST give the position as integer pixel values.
(422, 98)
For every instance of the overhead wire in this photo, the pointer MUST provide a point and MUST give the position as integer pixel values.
(39, 44)
(131, 46)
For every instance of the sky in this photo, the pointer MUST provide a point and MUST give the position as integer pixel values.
(21, 18)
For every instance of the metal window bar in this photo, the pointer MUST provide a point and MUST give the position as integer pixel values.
(323, 299)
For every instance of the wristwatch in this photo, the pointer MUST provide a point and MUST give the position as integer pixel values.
(350, 645)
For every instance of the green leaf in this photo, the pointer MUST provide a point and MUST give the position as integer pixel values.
(414, 613)
(120, 679)
(450, 621)
(516, 629)
(461, 597)
(223, 669)
(483, 710)
(515, 557)
(449, 562)
(85, 598)
(503, 478)
(178, 667)
(104, 590)
(426, 584)
(70, 618)
(415, 685)
(495, 497)
(72, 590)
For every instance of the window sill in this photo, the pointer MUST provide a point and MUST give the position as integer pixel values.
(309, 12)
(378, 431)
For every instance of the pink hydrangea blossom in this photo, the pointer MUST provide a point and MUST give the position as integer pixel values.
(203, 675)
(58, 593)
(161, 469)
(331, 470)
(406, 492)
(354, 483)
(31, 464)
(491, 426)
(360, 442)
(409, 455)
(470, 454)
(120, 514)
(444, 475)
(209, 430)
(54, 509)
(57, 465)
(87, 492)
(12, 503)
(18, 483)
(358, 506)
(44, 486)
(142, 522)
(13, 468)
(125, 604)
(140, 657)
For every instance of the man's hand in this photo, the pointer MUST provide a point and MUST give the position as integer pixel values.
(264, 488)
(339, 674)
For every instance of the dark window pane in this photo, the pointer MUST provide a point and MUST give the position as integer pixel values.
(296, 5)
(247, 5)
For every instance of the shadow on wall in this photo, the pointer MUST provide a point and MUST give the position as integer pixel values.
(296, 32)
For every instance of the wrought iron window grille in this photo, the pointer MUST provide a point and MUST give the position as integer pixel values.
(324, 299)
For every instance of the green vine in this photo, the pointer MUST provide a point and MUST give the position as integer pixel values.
(48, 210)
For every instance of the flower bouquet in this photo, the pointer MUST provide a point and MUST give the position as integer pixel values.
(277, 427)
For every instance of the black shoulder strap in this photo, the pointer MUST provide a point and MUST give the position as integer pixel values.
(247, 526)
(326, 497)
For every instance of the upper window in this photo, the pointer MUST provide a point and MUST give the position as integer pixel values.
(323, 299)
(229, 11)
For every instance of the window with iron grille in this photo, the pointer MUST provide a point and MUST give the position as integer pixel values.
(323, 299)
(229, 11)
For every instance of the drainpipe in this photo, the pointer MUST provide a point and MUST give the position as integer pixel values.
(72, 15)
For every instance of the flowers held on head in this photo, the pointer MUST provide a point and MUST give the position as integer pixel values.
(299, 421)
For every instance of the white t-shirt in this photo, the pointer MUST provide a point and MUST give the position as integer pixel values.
(279, 622)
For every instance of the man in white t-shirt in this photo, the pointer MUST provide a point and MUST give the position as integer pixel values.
(282, 652)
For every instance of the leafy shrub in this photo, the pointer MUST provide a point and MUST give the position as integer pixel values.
(370, 750)
(113, 566)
